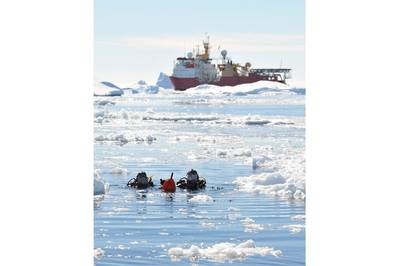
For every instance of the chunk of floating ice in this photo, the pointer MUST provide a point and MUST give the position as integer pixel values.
(98, 253)
(259, 87)
(258, 161)
(294, 228)
(298, 217)
(222, 252)
(104, 102)
(272, 184)
(233, 209)
(112, 137)
(201, 198)
(250, 225)
(106, 89)
(100, 186)
(208, 225)
(242, 153)
(119, 171)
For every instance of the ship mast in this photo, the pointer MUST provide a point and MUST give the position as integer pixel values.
(206, 48)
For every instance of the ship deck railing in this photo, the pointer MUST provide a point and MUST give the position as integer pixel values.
(284, 72)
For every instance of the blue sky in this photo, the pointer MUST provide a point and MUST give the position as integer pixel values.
(136, 40)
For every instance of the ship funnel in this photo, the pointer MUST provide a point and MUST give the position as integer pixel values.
(223, 53)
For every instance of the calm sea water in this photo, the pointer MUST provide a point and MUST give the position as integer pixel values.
(138, 227)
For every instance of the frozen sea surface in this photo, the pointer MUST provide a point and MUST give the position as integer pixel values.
(249, 148)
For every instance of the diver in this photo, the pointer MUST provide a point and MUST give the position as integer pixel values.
(192, 181)
(141, 181)
(168, 185)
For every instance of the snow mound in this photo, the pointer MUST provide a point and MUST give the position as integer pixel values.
(222, 252)
(106, 88)
(201, 198)
(164, 81)
(100, 186)
(272, 184)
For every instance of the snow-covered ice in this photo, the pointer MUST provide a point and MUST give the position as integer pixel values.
(106, 89)
(250, 225)
(272, 184)
(164, 81)
(294, 228)
(223, 252)
(201, 198)
(119, 171)
(100, 186)
(98, 253)
(298, 217)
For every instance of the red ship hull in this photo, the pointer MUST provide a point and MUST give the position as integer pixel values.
(182, 84)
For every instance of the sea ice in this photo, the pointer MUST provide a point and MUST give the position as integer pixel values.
(272, 184)
(222, 252)
(294, 228)
(298, 217)
(164, 81)
(259, 87)
(201, 198)
(119, 171)
(208, 225)
(98, 253)
(119, 138)
(250, 225)
(104, 102)
(100, 186)
(106, 89)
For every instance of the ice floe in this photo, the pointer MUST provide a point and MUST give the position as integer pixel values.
(294, 228)
(201, 198)
(119, 171)
(259, 87)
(105, 88)
(272, 184)
(259, 161)
(104, 102)
(250, 225)
(208, 225)
(164, 81)
(123, 139)
(298, 217)
(222, 252)
(100, 186)
(143, 88)
(119, 138)
(98, 253)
